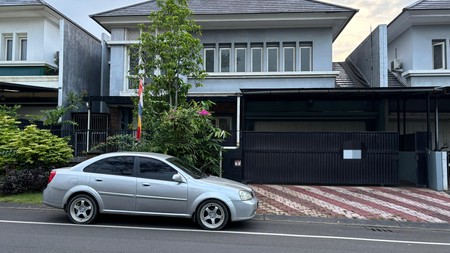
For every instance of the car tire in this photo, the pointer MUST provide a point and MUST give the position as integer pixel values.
(82, 209)
(212, 215)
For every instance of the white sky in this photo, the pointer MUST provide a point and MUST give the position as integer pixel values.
(371, 14)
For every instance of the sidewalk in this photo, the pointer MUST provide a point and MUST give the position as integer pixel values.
(382, 204)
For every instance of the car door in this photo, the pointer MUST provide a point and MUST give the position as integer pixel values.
(156, 191)
(114, 180)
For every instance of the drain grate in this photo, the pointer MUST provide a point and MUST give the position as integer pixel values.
(379, 229)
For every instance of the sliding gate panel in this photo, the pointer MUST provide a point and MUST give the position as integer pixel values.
(317, 158)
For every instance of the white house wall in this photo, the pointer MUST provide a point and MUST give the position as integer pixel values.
(422, 39)
(403, 46)
(42, 36)
(322, 75)
(415, 52)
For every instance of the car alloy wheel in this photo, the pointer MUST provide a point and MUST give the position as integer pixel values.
(212, 215)
(82, 209)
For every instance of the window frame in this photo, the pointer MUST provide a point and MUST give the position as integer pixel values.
(293, 58)
(301, 59)
(236, 59)
(205, 60)
(261, 58)
(21, 53)
(277, 59)
(130, 76)
(9, 47)
(229, 59)
(442, 44)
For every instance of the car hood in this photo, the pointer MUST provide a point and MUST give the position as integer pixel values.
(226, 182)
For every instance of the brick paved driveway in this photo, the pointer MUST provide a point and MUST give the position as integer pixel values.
(368, 203)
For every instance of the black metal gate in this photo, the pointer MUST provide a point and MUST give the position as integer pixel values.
(317, 158)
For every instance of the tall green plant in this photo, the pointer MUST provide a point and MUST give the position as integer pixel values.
(170, 53)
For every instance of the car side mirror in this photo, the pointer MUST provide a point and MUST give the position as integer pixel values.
(177, 178)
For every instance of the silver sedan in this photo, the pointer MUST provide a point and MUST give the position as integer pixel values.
(147, 184)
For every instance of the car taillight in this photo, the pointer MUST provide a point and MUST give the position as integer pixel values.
(51, 176)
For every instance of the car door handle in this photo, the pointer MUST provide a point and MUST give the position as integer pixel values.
(99, 180)
(145, 184)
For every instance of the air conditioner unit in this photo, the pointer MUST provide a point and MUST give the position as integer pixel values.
(396, 65)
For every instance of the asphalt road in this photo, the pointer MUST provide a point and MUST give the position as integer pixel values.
(48, 230)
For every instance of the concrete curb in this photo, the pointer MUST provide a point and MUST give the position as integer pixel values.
(354, 222)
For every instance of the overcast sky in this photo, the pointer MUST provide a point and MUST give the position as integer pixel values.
(371, 14)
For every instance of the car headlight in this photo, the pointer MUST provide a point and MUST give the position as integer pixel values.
(245, 195)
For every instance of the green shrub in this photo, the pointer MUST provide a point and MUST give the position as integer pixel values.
(35, 147)
(118, 142)
(26, 180)
(8, 132)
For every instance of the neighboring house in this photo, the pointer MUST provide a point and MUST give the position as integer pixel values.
(413, 51)
(44, 56)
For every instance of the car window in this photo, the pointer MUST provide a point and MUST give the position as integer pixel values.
(189, 169)
(120, 165)
(155, 169)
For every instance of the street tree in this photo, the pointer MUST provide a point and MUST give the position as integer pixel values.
(169, 54)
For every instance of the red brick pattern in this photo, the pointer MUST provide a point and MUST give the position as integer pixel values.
(369, 203)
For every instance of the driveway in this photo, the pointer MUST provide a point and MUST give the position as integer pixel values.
(366, 203)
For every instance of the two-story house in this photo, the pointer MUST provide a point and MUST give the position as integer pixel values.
(295, 117)
(413, 50)
(44, 56)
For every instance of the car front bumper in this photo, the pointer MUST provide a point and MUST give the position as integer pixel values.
(245, 210)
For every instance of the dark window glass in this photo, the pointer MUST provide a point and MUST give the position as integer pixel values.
(23, 49)
(225, 60)
(9, 49)
(439, 54)
(155, 169)
(121, 166)
(305, 59)
(240, 59)
(256, 59)
(289, 59)
(209, 60)
(272, 59)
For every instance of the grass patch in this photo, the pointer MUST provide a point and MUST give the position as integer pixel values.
(24, 198)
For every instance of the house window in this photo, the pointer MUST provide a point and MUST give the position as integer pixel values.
(289, 57)
(225, 63)
(8, 48)
(208, 61)
(272, 59)
(305, 56)
(240, 59)
(133, 63)
(224, 123)
(439, 53)
(256, 59)
(23, 43)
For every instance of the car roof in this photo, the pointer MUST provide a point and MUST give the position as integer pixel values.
(130, 153)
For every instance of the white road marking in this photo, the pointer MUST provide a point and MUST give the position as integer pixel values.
(231, 232)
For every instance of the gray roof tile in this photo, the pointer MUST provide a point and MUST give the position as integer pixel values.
(429, 5)
(20, 2)
(217, 7)
(393, 81)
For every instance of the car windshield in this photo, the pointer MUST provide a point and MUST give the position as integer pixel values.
(189, 169)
